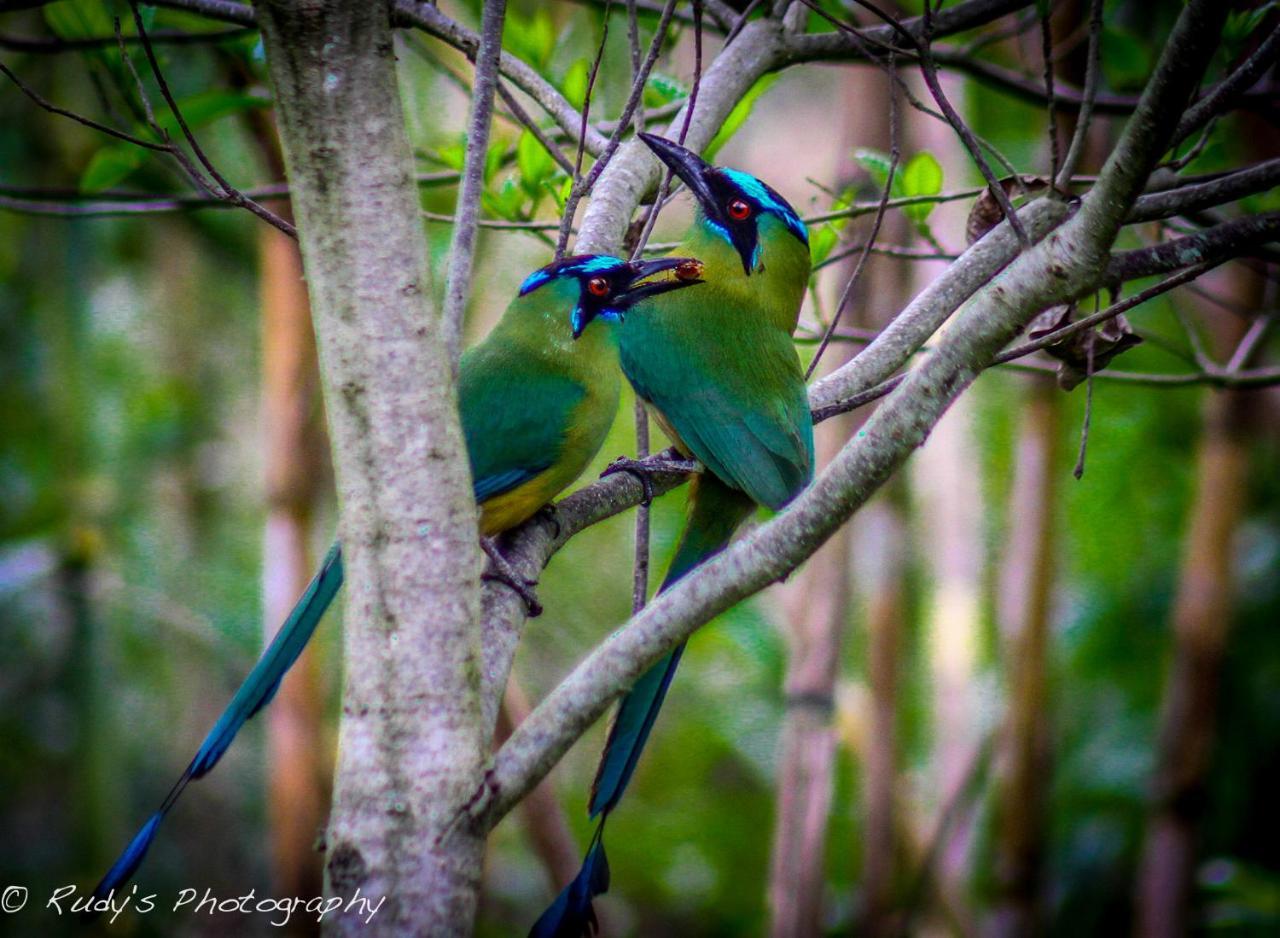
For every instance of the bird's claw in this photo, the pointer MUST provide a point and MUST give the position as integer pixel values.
(548, 513)
(637, 470)
(643, 470)
(503, 572)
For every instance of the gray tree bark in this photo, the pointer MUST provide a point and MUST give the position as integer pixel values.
(411, 743)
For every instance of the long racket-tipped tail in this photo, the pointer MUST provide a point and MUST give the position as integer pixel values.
(254, 694)
(715, 513)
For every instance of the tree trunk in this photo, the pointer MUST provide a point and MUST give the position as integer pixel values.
(411, 741)
(1201, 618)
(1025, 593)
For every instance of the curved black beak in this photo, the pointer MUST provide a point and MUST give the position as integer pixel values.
(692, 169)
(636, 289)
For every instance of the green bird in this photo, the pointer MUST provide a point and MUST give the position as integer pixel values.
(718, 370)
(536, 399)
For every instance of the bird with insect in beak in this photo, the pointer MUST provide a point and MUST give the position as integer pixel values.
(718, 370)
(536, 399)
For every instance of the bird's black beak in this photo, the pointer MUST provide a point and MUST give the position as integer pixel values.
(688, 272)
(633, 288)
(692, 169)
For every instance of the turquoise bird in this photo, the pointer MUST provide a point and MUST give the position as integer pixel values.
(718, 370)
(536, 399)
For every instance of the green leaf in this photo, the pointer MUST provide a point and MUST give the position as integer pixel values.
(738, 116)
(574, 83)
(204, 108)
(506, 201)
(111, 165)
(80, 19)
(452, 155)
(822, 242)
(663, 89)
(532, 38)
(921, 176)
(1242, 23)
(534, 163)
(493, 160)
(559, 187)
(876, 163)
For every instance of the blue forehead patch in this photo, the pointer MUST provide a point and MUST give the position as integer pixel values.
(534, 280)
(768, 200)
(581, 264)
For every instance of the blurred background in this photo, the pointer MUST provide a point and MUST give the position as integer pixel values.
(978, 706)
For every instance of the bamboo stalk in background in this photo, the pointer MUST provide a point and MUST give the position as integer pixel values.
(300, 750)
(1026, 590)
(1201, 619)
(820, 611)
(300, 760)
(946, 492)
(883, 849)
(817, 605)
(541, 815)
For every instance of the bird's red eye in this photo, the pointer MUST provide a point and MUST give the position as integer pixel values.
(598, 286)
(739, 210)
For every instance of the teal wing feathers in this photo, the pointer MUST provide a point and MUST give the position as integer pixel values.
(744, 416)
(515, 417)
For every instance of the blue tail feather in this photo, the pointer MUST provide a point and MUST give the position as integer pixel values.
(264, 680)
(124, 868)
(630, 731)
(571, 915)
(254, 694)
(715, 512)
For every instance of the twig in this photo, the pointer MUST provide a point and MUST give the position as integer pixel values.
(741, 21)
(71, 203)
(1115, 309)
(885, 250)
(581, 187)
(660, 200)
(56, 45)
(520, 114)
(1228, 240)
(972, 142)
(576, 189)
(640, 569)
(1229, 90)
(1250, 343)
(894, 155)
(1198, 194)
(1062, 178)
(497, 224)
(232, 195)
(1046, 55)
(1053, 338)
(78, 118)
(428, 18)
(463, 243)
(1078, 471)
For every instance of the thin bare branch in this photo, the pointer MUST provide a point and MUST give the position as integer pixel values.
(1062, 178)
(462, 245)
(1234, 238)
(895, 154)
(1228, 92)
(232, 195)
(80, 118)
(55, 45)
